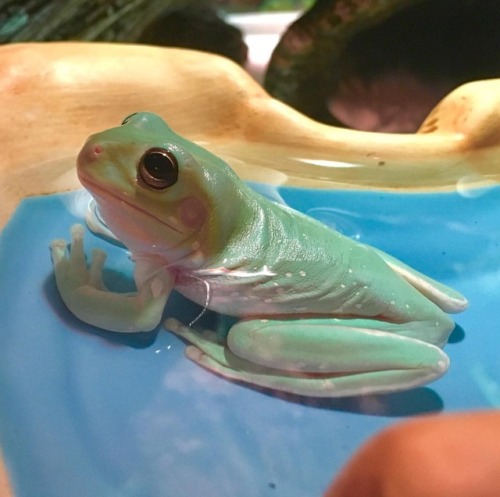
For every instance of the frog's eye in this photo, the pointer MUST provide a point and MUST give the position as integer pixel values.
(127, 119)
(158, 168)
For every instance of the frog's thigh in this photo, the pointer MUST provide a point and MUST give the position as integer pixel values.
(349, 360)
(329, 345)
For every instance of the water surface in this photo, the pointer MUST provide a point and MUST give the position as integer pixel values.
(85, 412)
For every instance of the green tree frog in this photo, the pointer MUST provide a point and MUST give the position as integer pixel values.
(319, 313)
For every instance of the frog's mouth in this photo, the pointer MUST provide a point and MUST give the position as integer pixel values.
(106, 196)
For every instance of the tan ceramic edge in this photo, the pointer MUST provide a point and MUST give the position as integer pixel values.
(53, 95)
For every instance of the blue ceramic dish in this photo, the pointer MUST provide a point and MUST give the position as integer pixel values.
(89, 413)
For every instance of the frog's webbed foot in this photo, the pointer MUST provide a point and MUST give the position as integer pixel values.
(82, 290)
(317, 357)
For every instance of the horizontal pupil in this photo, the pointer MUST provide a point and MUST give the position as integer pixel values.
(158, 165)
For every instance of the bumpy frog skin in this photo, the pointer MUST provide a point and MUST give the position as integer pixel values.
(319, 314)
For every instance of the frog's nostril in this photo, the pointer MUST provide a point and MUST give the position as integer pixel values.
(89, 153)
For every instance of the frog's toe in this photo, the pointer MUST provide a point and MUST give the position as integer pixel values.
(98, 259)
(221, 360)
(217, 360)
(96, 267)
(198, 336)
(77, 232)
(196, 355)
(58, 250)
(175, 326)
(203, 347)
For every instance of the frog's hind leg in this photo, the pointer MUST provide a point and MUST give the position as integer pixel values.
(318, 357)
(443, 296)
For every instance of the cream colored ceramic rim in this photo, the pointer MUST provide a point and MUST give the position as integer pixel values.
(53, 95)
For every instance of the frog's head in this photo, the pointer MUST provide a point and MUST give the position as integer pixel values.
(160, 193)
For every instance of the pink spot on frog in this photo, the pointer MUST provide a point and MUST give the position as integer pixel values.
(192, 212)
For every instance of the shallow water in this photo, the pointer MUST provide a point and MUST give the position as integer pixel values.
(85, 412)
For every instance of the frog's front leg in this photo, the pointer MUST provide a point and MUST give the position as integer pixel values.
(325, 357)
(85, 295)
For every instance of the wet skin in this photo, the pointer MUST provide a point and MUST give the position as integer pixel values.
(319, 314)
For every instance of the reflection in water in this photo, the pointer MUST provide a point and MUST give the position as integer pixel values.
(327, 163)
(337, 219)
(397, 404)
(362, 160)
